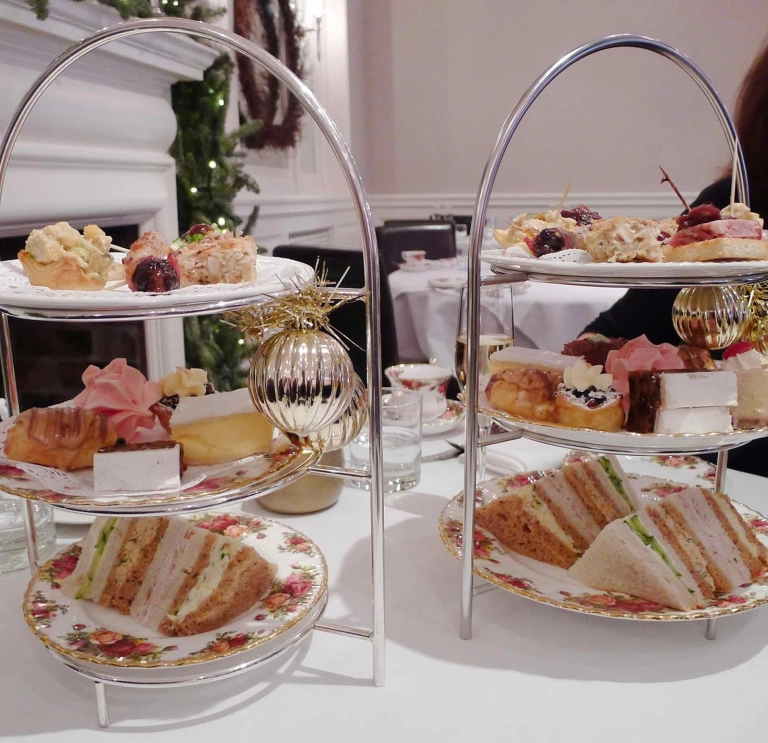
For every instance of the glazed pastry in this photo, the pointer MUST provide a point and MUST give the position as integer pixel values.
(208, 255)
(586, 399)
(528, 393)
(64, 438)
(59, 257)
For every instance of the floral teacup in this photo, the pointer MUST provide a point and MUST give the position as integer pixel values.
(430, 381)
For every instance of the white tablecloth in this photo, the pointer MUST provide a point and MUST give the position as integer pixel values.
(546, 315)
(531, 672)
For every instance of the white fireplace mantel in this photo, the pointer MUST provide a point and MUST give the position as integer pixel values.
(95, 147)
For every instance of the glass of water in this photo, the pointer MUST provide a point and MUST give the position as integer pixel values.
(401, 441)
(13, 543)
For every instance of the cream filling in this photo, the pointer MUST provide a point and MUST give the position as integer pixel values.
(207, 582)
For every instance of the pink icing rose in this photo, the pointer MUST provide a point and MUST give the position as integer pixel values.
(639, 355)
(125, 395)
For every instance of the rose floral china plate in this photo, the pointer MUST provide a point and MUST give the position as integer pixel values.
(623, 441)
(206, 485)
(552, 585)
(86, 632)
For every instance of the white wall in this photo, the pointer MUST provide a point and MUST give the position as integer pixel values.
(303, 191)
(435, 79)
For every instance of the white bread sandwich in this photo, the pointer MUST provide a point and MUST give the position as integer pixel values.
(168, 574)
(631, 555)
(733, 554)
(606, 484)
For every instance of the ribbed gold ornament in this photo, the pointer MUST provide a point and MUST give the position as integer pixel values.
(301, 380)
(710, 316)
(342, 431)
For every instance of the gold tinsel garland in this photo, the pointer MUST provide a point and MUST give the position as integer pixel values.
(305, 307)
(756, 329)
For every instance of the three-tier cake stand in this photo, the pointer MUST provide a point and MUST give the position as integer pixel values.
(664, 275)
(145, 308)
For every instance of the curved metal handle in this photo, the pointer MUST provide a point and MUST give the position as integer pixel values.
(364, 217)
(476, 239)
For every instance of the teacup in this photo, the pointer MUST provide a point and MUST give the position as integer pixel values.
(430, 381)
(414, 257)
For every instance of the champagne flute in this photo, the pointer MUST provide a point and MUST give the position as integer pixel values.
(497, 331)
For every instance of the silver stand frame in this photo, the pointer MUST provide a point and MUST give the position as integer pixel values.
(474, 280)
(376, 633)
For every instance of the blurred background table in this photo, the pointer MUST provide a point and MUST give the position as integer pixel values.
(546, 315)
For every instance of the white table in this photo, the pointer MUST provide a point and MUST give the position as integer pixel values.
(531, 672)
(546, 315)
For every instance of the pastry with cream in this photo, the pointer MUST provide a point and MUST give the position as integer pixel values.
(168, 574)
(517, 357)
(59, 257)
(586, 399)
(219, 428)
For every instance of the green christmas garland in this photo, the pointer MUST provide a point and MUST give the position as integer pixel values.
(209, 174)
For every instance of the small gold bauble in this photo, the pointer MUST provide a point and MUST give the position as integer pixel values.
(342, 431)
(301, 380)
(710, 316)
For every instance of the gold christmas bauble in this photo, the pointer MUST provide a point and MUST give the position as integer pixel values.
(301, 380)
(710, 317)
(342, 431)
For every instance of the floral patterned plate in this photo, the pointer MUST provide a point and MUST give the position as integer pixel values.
(88, 632)
(626, 442)
(206, 486)
(551, 585)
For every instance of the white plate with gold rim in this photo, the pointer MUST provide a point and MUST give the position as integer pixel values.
(569, 271)
(551, 585)
(91, 634)
(273, 276)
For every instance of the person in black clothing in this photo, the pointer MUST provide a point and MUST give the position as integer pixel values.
(649, 311)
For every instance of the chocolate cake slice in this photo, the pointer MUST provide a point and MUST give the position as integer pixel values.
(644, 400)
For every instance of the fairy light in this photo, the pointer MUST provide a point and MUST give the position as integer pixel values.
(221, 221)
(211, 164)
(193, 189)
(221, 101)
(241, 342)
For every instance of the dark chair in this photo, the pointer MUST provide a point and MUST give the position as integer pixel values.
(466, 220)
(349, 320)
(437, 239)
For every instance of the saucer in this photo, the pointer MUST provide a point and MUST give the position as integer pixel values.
(423, 266)
(447, 282)
(447, 421)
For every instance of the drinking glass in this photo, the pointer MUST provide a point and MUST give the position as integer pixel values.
(13, 542)
(401, 441)
(497, 331)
